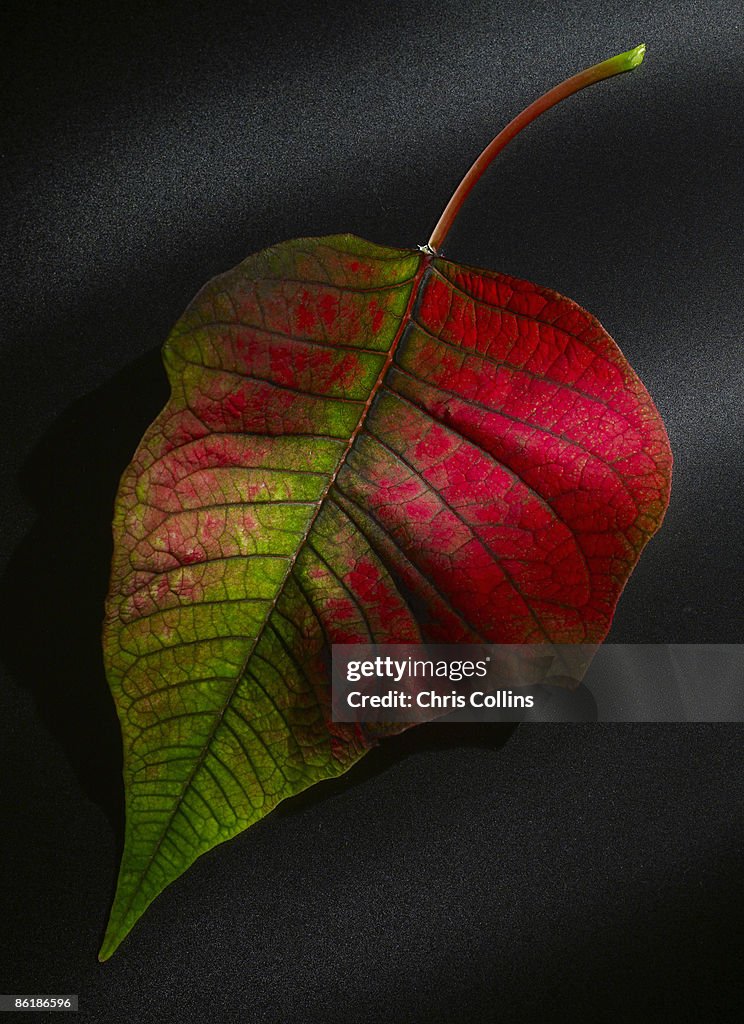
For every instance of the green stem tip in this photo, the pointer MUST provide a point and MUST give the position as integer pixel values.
(630, 59)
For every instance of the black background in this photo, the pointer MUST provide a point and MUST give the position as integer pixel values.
(546, 873)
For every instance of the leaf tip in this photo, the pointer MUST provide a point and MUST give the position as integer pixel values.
(105, 952)
(115, 935)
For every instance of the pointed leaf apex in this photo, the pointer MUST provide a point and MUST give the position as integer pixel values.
(105, 952)
(111, 941)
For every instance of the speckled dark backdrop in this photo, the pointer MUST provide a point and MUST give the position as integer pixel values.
(459, 874)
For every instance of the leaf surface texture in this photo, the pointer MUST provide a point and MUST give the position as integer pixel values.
(362, 444)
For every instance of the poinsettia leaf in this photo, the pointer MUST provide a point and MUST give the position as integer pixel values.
(362, 444)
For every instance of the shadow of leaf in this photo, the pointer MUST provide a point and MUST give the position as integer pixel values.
(55, 583)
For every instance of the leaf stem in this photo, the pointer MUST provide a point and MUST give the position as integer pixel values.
(614, 66)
